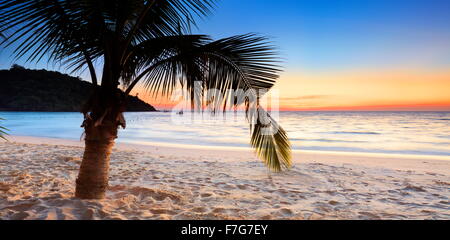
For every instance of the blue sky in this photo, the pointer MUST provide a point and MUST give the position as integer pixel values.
(324, 35)
(355, 52)
(340, 34)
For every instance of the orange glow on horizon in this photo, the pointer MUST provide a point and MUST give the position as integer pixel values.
(412, 107)
(383, 90)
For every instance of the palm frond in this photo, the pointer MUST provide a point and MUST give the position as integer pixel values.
(155, 51)
(3, 131)
(245, 62)
(62, 29)
(57, 29)
(166, 17)
(271, 142)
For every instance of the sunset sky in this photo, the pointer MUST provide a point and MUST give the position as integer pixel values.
(344, 54)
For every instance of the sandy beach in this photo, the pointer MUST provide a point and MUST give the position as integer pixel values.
(37, 177)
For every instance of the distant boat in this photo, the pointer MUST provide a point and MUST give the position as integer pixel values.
(180, 112)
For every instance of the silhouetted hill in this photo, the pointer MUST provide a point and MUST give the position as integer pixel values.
(46, 91)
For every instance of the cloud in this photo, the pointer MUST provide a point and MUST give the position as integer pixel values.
(302, 98)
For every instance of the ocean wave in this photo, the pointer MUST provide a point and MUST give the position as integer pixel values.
(325, 140)
(362, 133)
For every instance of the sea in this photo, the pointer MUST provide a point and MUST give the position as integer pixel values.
(417, 133)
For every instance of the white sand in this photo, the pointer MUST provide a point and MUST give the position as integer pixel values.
(37, 179)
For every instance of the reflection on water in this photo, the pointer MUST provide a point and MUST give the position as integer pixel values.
(425, 133)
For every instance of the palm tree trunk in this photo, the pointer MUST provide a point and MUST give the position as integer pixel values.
(93, 176)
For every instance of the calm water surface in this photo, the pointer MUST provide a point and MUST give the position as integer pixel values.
(423, 133)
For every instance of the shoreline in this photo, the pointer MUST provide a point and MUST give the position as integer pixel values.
(149, 145)
(403, 161)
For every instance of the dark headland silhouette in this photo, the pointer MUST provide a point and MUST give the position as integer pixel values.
(47, 91)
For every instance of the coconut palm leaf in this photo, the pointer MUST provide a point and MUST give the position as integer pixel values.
(271, 143)
(245, 62)
(79, 32)
(3, 131)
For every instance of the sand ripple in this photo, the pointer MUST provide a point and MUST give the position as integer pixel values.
(37, 182)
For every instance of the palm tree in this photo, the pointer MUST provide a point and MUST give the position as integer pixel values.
(148, 42)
